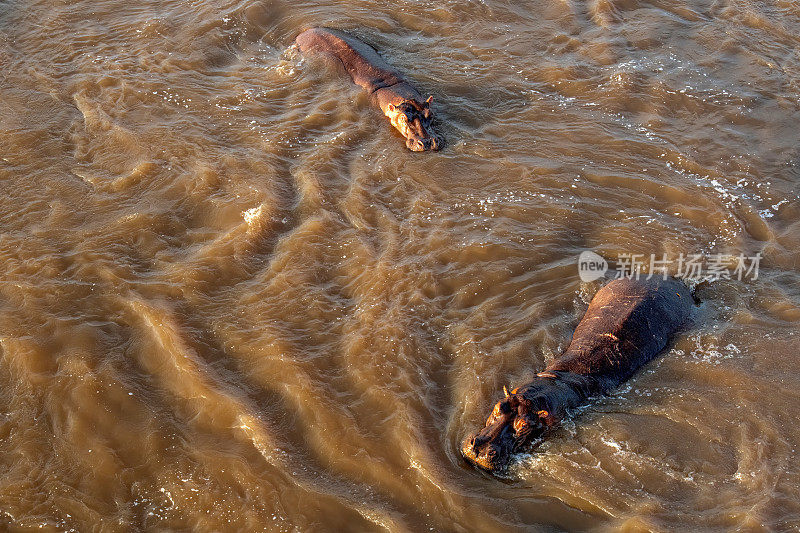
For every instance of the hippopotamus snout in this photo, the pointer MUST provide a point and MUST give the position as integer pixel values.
(490, 455)
(491, 447)
(422, 144)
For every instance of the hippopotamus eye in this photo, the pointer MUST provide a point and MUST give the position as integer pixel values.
(520, 424)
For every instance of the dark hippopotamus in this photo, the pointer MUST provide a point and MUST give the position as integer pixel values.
(627, 323)
(398, 99)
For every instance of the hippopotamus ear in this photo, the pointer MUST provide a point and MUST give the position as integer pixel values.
(546, 418)
(426, 107)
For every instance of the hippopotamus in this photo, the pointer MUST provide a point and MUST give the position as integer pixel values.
(627, 323)
(397, 98)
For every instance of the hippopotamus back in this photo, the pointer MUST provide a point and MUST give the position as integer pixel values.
(627, 323)
(366, 67)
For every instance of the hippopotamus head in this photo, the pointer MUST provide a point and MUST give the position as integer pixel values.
(413, 120)
(515, 421)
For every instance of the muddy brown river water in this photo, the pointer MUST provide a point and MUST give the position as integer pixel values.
(231, 300)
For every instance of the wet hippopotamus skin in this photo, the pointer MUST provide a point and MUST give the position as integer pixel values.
(398, 99)
(627, 323)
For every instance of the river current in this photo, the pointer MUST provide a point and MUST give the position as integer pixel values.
(231, 300)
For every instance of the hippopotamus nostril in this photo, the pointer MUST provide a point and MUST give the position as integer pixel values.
(420, 144)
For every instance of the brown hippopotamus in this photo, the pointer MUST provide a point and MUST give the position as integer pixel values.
(627, 323)
(398, 99)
